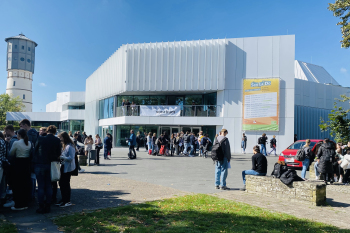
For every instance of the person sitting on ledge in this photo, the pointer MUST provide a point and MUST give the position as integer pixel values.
(259, 165)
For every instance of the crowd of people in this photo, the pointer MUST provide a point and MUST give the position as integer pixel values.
(25, 159)
(262, 141)
(183, 143)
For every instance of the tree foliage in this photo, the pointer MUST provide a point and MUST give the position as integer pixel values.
(341, 8)
(338, 123)
(9, 104)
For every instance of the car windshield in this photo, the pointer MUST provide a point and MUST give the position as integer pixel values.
(298, 145)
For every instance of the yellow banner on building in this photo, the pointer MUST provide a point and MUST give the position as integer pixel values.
(261, 104)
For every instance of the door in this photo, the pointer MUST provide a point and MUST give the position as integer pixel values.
(196, 130)
(175, 130)
(164, 129)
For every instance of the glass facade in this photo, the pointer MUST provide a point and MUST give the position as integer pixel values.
(73, 125)
(76, 107)
(45, 123)
(106, 108)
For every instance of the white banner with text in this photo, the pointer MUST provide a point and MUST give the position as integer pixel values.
(153, 110)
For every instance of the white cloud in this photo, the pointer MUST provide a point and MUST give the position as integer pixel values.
(343, 70)
(42, 84)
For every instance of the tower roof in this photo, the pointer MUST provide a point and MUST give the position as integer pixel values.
(21, 36)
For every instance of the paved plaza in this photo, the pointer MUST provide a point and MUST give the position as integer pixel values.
(121, 181)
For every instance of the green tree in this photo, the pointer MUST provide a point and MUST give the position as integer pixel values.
(341, 8)
(9, 104)
(338, 122)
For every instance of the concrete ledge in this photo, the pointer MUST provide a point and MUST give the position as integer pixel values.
(306, 192)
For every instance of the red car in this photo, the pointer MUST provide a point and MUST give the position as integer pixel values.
(288, 154)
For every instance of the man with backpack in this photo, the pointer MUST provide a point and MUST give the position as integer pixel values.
(221, 154)
(325, 159)
(273, 144)
(187, 144)
(262, 142)
(259, 166)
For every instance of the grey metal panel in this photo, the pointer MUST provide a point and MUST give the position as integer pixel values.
(276, 56)
(265, 57)
(287, 57)
(251, 50)
(241, 63)
(231, 64)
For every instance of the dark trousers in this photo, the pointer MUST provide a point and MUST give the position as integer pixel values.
(65, 185)
(97, 160)
(138, 146)
(106, 152)
(54, 191)
(21, 185)
(132, 150)
(346, 176)
(328, 177)
(43, 177)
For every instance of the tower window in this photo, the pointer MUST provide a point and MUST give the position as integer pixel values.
(22, 47)
(28, 48)
(14, 83)
(28, 60)
(15, 46)
(22, 59)
(24, 96)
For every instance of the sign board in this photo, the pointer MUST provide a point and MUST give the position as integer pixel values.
(261, 104)
(153, 110)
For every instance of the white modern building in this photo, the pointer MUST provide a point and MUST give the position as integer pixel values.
(20, 68)
(205, 78)
(67, 112)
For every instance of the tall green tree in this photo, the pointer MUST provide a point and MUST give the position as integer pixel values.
(341, 8)
(338, 123)
(9, 104)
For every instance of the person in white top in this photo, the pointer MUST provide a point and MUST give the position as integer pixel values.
(20, 173)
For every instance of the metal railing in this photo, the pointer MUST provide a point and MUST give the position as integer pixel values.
(186, 110)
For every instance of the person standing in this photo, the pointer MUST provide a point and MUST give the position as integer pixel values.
(127, 104)
(123, 107)
(325, 159)
(149, 141)
(176, 143)
(42, 131)
(68, 165)
(88, 142)
(187, 144)
(83, 137)
(107, 143)
(222, 166)
(273, 145)
(154, 145)
(262, 142)
(308, 158)
(20, 174)
(132, 143)
(47, 149)
(259, 166)
(98, 146)
(4, 163)
(79, 138)
(192, 144)
(138, 140)
(295, 137)
(244, 143)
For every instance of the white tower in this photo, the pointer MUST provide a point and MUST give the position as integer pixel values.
(20, 68)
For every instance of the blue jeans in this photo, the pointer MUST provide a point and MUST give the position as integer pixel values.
(273, 149)
(243, 145)
(43, 177)
(192, 150)
(251, 172)
(221, 172)
(263, 149)
(306, 164)
(186, 145)
(149, 145)
(316, 172)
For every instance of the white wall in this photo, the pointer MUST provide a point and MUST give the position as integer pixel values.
(63, 99)
(258, 57)
(33, 116)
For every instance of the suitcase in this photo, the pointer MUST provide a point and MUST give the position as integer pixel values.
(149, 152)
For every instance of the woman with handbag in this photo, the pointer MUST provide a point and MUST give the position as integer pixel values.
(20, 174)
(98, 146)
(68, 165)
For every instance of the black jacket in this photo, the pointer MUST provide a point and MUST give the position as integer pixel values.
(47, 149)
(273, 142)
(262, 140)
(259, 163)
(326, 155)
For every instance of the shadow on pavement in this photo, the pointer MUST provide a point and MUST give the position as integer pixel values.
(331, 202)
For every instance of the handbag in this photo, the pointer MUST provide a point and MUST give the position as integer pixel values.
(344, 164)
(55, 171)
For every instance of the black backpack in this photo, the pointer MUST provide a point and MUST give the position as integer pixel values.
(278, 170)
(289, 176)
(217, 153)
(260, 140)
(300, 156)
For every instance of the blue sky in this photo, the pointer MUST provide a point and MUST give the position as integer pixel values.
(76, 37)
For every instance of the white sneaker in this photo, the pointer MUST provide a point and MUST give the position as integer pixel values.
(335, 179)
(317, 178)
(82, 170)
(14, 208)
(341, 180)
(9, 204)
(65, 204)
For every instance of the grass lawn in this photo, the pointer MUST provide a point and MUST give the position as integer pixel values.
(6, 227)
(193, 213)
